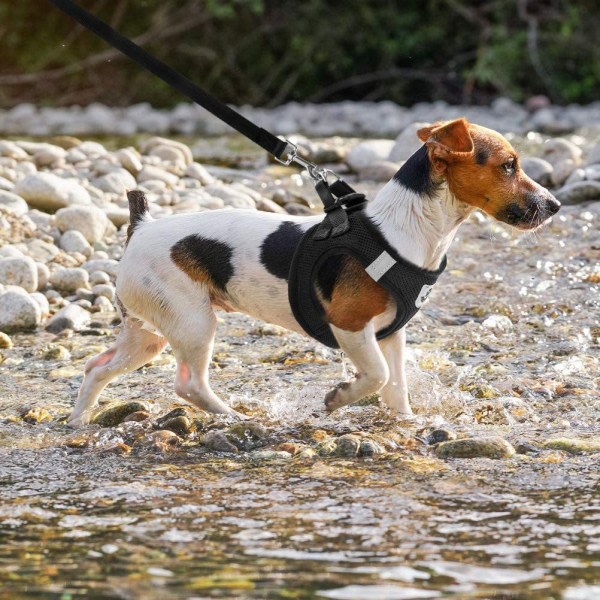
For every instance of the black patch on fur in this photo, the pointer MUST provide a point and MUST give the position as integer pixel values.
(277, 249)
(481, 154)
(415, 173)
(513, 214)
(212, 256)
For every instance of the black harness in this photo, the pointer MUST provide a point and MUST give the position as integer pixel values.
(347, 230)
(344, 230)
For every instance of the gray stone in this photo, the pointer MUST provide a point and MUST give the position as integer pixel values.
(484, 447)
(217, 440)
(558, 149)
(103, 304)
(577, 175)
(593, 156)
(20, 271)
(42, 303)
(49, 155)
(231, 197)
(129, 159)
(18, 312)
(69, 279)
(104, 289)
(592, 172)
(50, 193)
(538, 169)
(562, 171)
(117, 181)
(43, 274)
(267, 205)
(108, 265)
(197, 171)
(42, 251)
(99, 277)
(115, 413)
(70, 317)
(382, 170)
(150, 172)
(366, 153)
(407, 143)
(348, 445)
(160, 142)
(13, 203)
(574, 193)
(89, 220)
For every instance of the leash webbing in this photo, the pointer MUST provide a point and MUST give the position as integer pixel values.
(170, 76)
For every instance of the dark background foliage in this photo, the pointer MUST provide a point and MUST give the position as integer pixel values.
(266, 52)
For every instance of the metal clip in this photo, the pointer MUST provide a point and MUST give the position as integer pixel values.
(315, 172)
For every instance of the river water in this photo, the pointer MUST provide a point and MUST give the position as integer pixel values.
(82, 516)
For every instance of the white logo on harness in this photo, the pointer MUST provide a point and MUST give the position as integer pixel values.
(423, 295)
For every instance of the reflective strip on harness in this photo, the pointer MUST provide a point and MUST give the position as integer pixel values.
(380, 266)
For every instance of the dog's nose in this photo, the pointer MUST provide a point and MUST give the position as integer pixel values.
(552, 205)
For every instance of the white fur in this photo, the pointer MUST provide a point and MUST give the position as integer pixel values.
(163, 300)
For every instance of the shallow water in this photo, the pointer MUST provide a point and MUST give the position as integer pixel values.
(97, 521)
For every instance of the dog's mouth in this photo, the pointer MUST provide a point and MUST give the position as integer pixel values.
(533, 216)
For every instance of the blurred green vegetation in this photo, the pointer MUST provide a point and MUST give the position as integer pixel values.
(265, 52)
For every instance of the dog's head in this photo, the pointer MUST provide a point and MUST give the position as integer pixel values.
(482, 169)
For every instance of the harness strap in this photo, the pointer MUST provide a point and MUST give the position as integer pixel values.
(170, 76)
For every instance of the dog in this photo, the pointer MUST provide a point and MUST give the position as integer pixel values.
(176, 271)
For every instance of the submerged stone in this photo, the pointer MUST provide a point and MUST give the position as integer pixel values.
(370, 448)
(327, 448)
(440, 435)
(116, 413)
(158, 441)
(484, 447)
(574, 445)
(348, 446)
(217, 440)
(35, 415)
(247, 435)
(269, 455)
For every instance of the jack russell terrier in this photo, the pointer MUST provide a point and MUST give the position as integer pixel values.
(178, 270)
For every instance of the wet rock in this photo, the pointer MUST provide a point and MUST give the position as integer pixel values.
(348, 446)
(13, 203)
(137, 416)
(217, 440)
(88, 220)
(70, 317)
(574, 193)
(268, 329)
(526, 448)
(36, 415)
(69, 280)
(499, 324)
(574, 445)
(50, 193)
(5, 341)
(157, 441)
(115, 413)
(305, 453)
(484, 447)
(247, 435)
(370, 448)
(437, 436)
(20, 271)
(182, 426)
(327, 448)
(538, 169)
(366, 153)
(57, 353)
(18, 312)
(264, 455)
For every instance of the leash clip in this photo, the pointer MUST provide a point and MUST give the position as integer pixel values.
(315, 172)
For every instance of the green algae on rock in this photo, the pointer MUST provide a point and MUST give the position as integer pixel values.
(483, 447)
(114, 414)
(574, 445)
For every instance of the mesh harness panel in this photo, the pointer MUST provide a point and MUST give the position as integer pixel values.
(408, 284)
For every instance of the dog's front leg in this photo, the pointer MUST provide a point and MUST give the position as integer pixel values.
(395, 392)
(372, 370)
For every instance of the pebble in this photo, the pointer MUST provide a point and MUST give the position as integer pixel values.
(18, 312)
(575, 193)
(90, 221)
(440, 435)
(499, 324)
(263, 455)
(217, 440)
(49, 193)
(382, 170)
(13, 203)
(20, 271)
(559, 149)
(247, 435)
(197, 171)
(69, 279)
(104, 289)
(158, 441)
(574, 445)
(483, 447)
(57, 353)
(106, 265)
(366, 153)
(348, 446)
(5, 341)
(115, 413)
(99, 277)
(117, 181)
(74, 241)
(43, 274)
(370, 448)
(71, 316)
(42, 302)
(150, 173)
(36, 415)
(130, 160)
(407, 142)
(538, 169)
(103, 304)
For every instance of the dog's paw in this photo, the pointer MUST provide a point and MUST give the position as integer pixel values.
(78, 421)
(335, 398)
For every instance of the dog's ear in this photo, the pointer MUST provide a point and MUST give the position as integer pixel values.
(446, 142)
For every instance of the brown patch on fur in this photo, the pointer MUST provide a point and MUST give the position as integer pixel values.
(356, 298)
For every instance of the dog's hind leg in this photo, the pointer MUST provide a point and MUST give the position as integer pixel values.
(133, 349)
(372, 369)
(192, 342)
(395, 392)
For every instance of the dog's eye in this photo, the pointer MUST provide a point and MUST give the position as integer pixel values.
(509, 166)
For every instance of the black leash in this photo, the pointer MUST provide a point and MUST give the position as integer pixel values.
(337, 197)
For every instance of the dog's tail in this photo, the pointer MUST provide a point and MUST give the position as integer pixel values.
(138, 210)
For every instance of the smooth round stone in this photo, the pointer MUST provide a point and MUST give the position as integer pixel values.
(5, 341)
(49, 155)
(562, 171)
(538, 169)
(104, 289)
(50, 193)
(11, 252)
(11, 150)
(18, 312)
(382, 170)
(366, 153)
(574, 445)
(115, 413)
(574, 193)
(152, 143)
(230, 196)
(197, 171)
(71, 316)
(42, 302)
(150, 172)
(69, 279)
(103, 304)
(88, 220)
(13, 203)
(555, 150)
(217, 440)
(99, 277)
(108, 265)
(20, 271)
(74, 241)
(407, 143)
(348, 445)
(42, 251)
(484, 447)
(117, 181)
(129, 159)
(499, 324)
